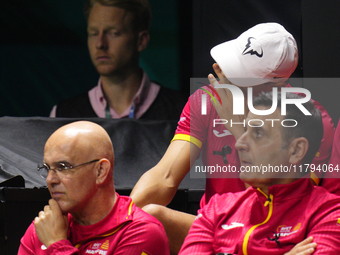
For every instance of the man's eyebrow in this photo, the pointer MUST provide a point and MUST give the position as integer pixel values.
(253, 121)
(256, 124)
(108, 27)
(91, 28)
(59, 163)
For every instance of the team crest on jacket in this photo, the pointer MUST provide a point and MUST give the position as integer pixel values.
(99, 248)
(284, 230)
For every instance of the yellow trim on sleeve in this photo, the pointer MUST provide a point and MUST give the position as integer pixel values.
(246, 237)
(315, 178)
(188, 138)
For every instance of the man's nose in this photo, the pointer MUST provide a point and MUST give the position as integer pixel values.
(241, 143)
(101, 42)
(52, 177)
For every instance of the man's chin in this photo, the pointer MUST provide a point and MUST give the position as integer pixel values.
(106, 70)
(248, 177)
(63, 207)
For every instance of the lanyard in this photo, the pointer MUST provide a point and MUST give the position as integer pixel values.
(131, 113)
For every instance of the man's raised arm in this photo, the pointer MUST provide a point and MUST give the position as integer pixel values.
(159, 184)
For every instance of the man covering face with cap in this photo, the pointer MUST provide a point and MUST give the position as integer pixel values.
(263, 57)
(266, 53)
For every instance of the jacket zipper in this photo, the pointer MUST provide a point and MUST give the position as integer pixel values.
(246, 237)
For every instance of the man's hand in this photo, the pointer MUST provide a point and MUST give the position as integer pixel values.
(218, 71)
(51, 225)
(225, 111)
(303, 248)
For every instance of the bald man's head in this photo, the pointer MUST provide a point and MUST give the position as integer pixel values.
(81, 140)
(81, 157)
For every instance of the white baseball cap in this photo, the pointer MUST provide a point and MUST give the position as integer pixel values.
(263, 53)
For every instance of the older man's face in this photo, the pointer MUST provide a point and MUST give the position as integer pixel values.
(73, 191)
(262, 146)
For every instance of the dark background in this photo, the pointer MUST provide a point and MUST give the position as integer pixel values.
(44, 57)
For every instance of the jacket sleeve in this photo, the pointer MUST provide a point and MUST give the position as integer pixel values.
(325, 229)
(331, 178)
(143, 238)
(63, 247)
(31, 245)
(27, 242)
(200, 238)
(324, 152)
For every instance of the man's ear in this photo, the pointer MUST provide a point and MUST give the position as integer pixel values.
(143, 40)
(297, 150)
(103, 171)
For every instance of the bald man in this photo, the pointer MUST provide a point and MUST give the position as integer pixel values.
(85, 214)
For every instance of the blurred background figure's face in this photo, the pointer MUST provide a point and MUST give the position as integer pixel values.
(112, 43)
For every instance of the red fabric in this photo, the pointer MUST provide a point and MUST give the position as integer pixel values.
(296, 211)
(193, 123)
(331, 180)
(325, 149)
(123, 231)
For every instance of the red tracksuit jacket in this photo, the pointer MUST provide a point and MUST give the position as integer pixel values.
(126, 230)
(218, 145)
(249, 222)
